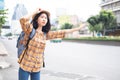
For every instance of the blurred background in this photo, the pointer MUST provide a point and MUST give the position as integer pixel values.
(62, 12)
(91, 53)
(102, 15)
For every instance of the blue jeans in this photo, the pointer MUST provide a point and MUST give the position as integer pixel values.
(24, 75)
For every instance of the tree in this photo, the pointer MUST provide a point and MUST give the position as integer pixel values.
(94, 24)
(104, 20)
(2, 18)
(53, 28)
(66, 26)
(107, 18)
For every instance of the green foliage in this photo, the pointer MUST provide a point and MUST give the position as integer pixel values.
(3, 12)
(105, 38)
(66, 26)
(94, 24)
(93, 20)
(53, 28)
(2, 18)
(9, 34)
(106, 19)
(106, 16)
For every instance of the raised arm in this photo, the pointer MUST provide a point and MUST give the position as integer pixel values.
(75, 29)
(24, 21)
(61, 33)
(31, 15)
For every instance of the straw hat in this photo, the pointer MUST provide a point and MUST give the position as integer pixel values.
(43, 11)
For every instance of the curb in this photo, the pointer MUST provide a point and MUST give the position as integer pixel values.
(3, 53)
(110, 43)
(3, 63)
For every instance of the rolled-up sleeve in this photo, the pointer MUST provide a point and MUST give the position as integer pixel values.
(25, 25)
(55, 34)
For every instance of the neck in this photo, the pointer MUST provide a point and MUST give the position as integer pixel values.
(39, 28)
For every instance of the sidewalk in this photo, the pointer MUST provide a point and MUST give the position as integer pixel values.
(3, 53)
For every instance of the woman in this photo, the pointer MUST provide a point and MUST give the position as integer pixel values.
(32, 61)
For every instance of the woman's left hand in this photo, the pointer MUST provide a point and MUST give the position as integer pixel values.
(83, 25)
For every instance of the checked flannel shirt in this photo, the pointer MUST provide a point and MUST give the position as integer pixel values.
(32, 61)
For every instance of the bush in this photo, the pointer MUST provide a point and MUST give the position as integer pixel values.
(8, 34)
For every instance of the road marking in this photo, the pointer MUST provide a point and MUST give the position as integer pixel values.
(69, 75)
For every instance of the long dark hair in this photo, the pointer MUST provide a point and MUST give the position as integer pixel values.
(45, 28)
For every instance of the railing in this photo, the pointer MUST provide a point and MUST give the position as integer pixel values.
(108, 2)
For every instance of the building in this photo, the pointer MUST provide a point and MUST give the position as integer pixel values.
(19, 11)
(2, 4)
(113, 5)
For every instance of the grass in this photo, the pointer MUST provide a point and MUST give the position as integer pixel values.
(105, 38)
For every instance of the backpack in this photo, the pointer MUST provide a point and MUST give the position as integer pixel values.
(20, 46)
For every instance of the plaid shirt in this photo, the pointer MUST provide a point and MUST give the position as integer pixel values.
(32, 61)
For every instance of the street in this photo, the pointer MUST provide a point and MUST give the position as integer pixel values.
(70, 61)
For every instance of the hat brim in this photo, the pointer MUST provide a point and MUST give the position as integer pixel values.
(43, 11)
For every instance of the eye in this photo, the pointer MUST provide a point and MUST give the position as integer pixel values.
(44, 17)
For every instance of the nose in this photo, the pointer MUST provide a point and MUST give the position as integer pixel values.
(44, 19)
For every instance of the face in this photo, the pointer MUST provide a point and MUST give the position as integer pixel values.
(42, 19)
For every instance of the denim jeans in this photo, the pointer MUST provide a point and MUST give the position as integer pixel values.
(24, 75)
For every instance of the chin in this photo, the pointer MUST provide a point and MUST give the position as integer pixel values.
(44, 24)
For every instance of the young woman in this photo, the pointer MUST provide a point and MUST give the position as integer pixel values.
(32, 61)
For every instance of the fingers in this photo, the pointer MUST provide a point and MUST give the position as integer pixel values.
(38, 10)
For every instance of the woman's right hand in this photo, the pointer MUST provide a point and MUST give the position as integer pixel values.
(38, 10)
(35, 12)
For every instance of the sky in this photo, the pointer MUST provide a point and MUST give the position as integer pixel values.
(82, 8)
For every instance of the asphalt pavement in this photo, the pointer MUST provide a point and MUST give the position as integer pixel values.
(100, 64)
(46, 74)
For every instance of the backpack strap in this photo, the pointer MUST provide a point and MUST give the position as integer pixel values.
(44, 36)
(32, 33)
(31, 36)
(43, 52)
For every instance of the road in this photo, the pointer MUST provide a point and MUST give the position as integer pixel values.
(71, 61)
